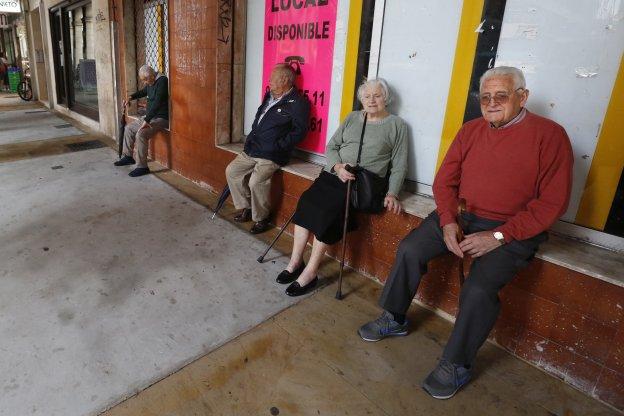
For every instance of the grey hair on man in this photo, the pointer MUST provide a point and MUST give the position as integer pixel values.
(287, 72)
(146, 71)
(385, 90)
(504, 71)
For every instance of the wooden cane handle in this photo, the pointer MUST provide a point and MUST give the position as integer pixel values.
(461, 208)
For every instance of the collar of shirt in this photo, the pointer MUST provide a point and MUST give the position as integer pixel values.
(272, 101)
(517, 119)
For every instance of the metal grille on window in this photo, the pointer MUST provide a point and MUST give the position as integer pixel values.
(152, 34)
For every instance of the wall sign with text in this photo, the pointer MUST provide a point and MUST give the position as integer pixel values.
(10, 6)
(301, 33)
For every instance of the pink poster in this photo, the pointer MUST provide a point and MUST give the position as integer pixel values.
(301, 33)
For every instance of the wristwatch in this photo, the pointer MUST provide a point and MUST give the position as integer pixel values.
(499, 236)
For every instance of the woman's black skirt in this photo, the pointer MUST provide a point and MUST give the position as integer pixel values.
(321, 209)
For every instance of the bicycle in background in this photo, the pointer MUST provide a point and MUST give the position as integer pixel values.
(24, 89)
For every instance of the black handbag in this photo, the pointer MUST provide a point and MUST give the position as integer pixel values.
(368, 190)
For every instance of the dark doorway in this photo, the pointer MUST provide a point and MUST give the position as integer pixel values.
(58, 53)
(615, 221)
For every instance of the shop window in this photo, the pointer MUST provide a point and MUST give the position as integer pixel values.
(306, 41)
(151, 31)
(73, 42)
(84, 80)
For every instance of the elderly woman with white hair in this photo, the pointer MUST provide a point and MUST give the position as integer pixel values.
(156, 119)
(320, 210)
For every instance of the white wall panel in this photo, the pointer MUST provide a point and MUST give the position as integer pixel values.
(416, 58)
(570, 52)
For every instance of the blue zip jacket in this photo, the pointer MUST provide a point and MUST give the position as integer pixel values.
(281, 128)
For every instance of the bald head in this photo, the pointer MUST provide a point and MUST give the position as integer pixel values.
(286, 71)
(282, 79)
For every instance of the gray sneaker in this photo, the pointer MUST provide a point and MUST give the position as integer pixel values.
(384, 326)
(444, 381)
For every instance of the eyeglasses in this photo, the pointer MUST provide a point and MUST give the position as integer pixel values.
(498, 98)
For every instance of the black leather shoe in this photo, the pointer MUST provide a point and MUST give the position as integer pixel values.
(286, 277)
(295, 289)
(124, 161)
(139, 172)
(243, 215)
(260, 227)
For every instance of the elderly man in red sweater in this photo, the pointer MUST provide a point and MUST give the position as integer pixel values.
(514, 170)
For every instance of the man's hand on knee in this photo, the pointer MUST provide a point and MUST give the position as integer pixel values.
(451, 231)
(479, 244)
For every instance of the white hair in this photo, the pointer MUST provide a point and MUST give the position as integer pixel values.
(504, 71)
(385, 90)
(286, 71)
(145, 71)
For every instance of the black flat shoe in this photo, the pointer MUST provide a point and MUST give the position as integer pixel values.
(244, 215)
(125, 161)
(286, 277)
(139, 172)
(260, 227)
(295, 289)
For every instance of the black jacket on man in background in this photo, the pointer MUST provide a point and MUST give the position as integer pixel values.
(157, 98)
(281, 128)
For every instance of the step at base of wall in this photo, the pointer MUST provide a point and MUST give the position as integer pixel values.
(88, 145)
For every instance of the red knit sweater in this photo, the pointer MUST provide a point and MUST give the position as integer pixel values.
(521, 175)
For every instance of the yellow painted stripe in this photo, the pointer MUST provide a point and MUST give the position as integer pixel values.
(607, 164)
(465, 50)
(160, 41)
(351, 57)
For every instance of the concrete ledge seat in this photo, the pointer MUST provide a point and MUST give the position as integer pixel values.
(585, 258)
(296, 166)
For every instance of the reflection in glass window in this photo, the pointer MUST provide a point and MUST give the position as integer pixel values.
(81, 35)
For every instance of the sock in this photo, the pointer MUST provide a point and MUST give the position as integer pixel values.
(399, 318)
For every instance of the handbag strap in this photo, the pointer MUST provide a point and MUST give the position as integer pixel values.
(361, 140)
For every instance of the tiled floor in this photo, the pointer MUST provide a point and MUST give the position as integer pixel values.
(11, 101)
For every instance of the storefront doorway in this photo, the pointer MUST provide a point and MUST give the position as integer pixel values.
(73, 42)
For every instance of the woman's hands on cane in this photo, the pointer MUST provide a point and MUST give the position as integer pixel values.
(343, 174)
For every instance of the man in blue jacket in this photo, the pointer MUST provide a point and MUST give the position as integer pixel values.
(281, 122)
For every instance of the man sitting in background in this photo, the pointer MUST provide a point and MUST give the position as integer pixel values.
(156, 119)
(281, 122)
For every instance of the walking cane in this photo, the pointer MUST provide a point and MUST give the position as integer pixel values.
(221, 201)
(261, 258)
(120, 136)
(344, 240)
(461, 208)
